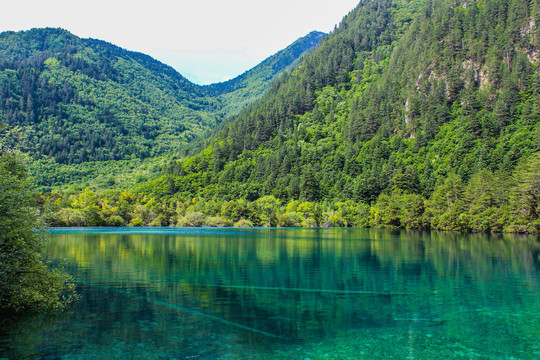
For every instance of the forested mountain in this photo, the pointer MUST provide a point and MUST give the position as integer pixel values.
(236, 93)
(427, 110)
(73, 100)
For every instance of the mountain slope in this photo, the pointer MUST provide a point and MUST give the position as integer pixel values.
(75, 101)
(405, 100)
(85, 99)
(242, 90)
(79, 100)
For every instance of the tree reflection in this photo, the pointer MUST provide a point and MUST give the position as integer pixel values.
(296, 285)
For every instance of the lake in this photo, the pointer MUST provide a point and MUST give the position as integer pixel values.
(177, 293)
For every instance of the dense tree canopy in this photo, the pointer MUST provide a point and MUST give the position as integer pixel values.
(416, 114)
(80, 101)
(27, 282)
(403, 99)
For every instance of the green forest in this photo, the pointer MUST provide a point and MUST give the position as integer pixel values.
(420, 114)
(27, 279)
(76, 109)
(83, 108)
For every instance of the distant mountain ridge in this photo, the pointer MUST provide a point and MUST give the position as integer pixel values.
(270, 66)
(256, 80)
(77, 100)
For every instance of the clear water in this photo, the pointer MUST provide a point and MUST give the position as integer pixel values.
(289, 294)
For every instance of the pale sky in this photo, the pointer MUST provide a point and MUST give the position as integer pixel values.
(205, 40)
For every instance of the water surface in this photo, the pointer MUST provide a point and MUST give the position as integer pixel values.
(290, 294)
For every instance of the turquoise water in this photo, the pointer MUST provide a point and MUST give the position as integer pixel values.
(289, 294)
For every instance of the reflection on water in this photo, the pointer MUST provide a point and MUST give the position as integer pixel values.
(295, 293)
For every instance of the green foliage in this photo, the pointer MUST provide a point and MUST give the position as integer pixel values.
(488, 202)
(243, 223)
(410, 114)
(267, 206)
(525, 196)
(84, 101)
(407, 106)
(27, 282)
(117, 208)
(192, 219)
(398, 210)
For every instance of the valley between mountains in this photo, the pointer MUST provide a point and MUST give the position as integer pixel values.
(420, 114)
